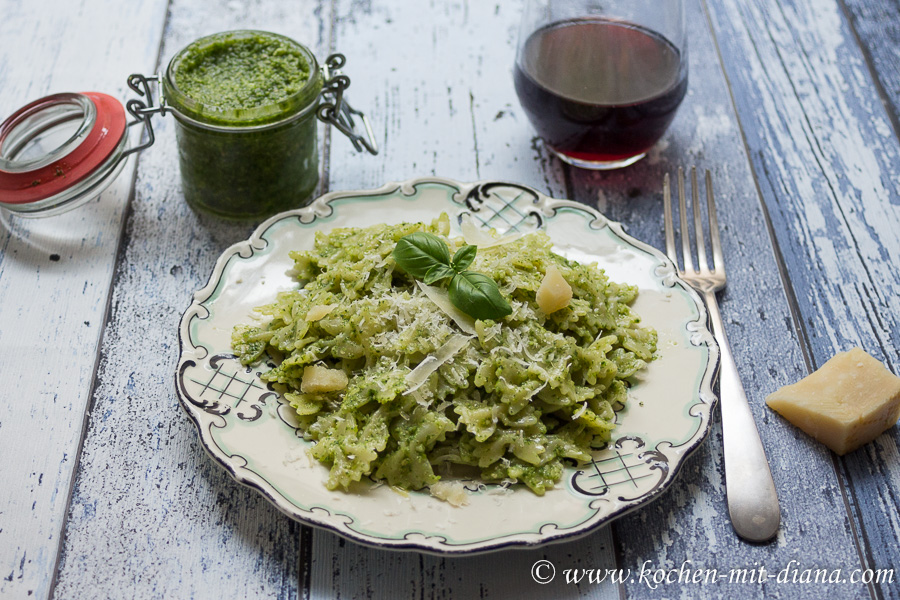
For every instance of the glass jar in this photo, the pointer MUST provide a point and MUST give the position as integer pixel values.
(251, 160)
(247, 148)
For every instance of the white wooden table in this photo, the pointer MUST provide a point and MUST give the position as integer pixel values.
(105, 491)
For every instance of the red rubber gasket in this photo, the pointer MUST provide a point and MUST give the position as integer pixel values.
(97, 147)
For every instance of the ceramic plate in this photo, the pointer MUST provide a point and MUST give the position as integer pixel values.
(247, 427)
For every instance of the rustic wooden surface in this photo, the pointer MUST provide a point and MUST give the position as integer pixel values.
(152, 515)
(106, 491)
(829, 179)
(55, 277)
(758, 322)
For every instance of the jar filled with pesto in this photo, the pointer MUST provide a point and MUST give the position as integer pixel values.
(246, 105)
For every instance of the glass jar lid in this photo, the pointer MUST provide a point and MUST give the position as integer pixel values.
(60, 151)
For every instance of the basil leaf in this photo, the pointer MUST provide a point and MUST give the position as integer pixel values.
(436, 273)
(463, 258)
(426, 257)
(419, 252)
(478, 296)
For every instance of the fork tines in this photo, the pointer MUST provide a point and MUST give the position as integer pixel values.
(702, 263)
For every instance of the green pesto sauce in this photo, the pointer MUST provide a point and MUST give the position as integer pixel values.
(263, 89)
(242, 73)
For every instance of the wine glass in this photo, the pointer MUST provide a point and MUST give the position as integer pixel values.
(601, 80)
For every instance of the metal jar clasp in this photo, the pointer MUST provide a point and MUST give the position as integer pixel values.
(142, 111)
(336, 111)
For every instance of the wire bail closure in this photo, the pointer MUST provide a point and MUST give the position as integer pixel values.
(140, 110)
(337, 111)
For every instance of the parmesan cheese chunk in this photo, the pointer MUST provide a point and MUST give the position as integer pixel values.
(450, 491)
(318, 379)
(555, 292)
(319, 311)
(848, 402)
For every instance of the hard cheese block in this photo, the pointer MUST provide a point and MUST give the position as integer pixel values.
(848, 402)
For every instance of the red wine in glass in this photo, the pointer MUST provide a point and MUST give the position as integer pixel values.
(600, 92)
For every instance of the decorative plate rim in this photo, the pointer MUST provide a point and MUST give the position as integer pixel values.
(322, 208)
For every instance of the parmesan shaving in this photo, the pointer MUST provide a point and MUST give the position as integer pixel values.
(537, 391)
(442, 300)
(319, 312)
(417, 376)
(478, 236)
(580, 412)
(400, 491)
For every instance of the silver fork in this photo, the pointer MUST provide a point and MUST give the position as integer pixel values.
(750, 491)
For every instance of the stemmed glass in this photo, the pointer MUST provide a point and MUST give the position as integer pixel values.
(601, 80)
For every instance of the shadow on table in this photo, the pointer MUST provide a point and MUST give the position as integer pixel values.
(85, 235)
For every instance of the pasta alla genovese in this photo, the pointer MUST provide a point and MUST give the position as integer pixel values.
(391, 382)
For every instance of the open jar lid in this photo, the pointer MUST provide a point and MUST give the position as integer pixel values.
(60, 151)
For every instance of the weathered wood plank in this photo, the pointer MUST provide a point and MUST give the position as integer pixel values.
(442, 100)
(443, 103)
(55, 276)
(152, 516)
(827, 163)
(691, 523)
(876, 24)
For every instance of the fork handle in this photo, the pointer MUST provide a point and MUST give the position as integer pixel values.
(749, 488)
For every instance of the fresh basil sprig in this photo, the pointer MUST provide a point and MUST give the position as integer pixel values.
(419, 252)
(425, 256)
